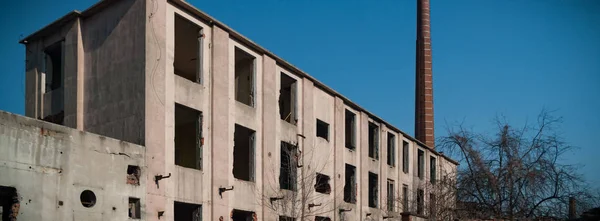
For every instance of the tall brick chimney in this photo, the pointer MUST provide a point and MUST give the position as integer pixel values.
(424, 80)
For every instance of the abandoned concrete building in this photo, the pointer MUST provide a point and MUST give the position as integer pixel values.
(153, 110)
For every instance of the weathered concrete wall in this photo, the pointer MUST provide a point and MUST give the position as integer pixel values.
(50, 166)
(113, 44)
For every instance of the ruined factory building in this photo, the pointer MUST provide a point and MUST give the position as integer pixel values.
(154, 110)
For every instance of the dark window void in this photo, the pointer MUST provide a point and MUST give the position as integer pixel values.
(373, 141)
(390, 195)
(187, 212)
(54, 66)
(133, 175)
(322, 184)
(134, 208)
(244, 77)
(288, 168)
(432, 170)
(432, 206)
(288, 99)
(188, 49)
(188, 137)
(420, 163)
(240, 215)
(322, 129)
(391, 149)
(350, 184)
(87, 198)
(350, 130)
(373, 190)
(420, 201)
(243, 153)
(286, 218)
(404, 198)
(322, 218)
(9, 203)
(405, 157)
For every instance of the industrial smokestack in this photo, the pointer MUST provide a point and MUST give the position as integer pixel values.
(572, 209)
(424, 79)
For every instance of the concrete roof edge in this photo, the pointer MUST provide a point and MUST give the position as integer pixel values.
(242, 39)
(55, 24)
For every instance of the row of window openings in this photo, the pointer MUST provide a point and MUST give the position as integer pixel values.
(189, 142)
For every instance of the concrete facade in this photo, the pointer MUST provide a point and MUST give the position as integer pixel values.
(120, 76)
(50, 166)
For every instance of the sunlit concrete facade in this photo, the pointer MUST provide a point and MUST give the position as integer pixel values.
(119, 62)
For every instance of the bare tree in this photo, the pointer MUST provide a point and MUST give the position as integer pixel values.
(515, 173)
(297, 188)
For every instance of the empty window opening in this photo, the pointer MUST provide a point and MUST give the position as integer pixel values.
(322, 129)
(322, 218)
(241, 215)
(243, 153)
(350, 184)
(9, 203)
(350, 130)
(420, 201)
(286, 218)
(373, 141)
(133, 175)
(54, 61)
(188, 137)
(432, 206)
(288, 99)
(87, 198)
(432, 168)
(405, 157)
(244, 77)
(404, 198)
(188, 49)
(391, 149)
(187, 212)
(420, 163)
(373, 190)
(134, 208)
(288, 168)
(390, 195)
(322, 184)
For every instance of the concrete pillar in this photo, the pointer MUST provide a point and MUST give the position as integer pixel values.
(221, 133)
(339, 149)
(71, 76)
(270, 117)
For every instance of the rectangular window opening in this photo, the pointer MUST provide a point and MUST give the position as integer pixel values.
(243, 153)
(322, 129)
(133, 175)
(432, 207)
(134, 208)
(432, 170)
(288, 99)
(188, 49)
(322, 184)
(245, 68)
(405, 157)
(288, 169)
(54, 80)
(350, 130)
(8, 199)
(241, 215)
(188, 137)
(420, 163)
(420, 201)
(373, 141)
(187, 211)
(390, 195)
(350, 184)
(405, 198)
(286, 218)
(322, 218)
(373, 190)
(391, 149)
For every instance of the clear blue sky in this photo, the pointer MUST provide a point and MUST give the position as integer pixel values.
(508, 57)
